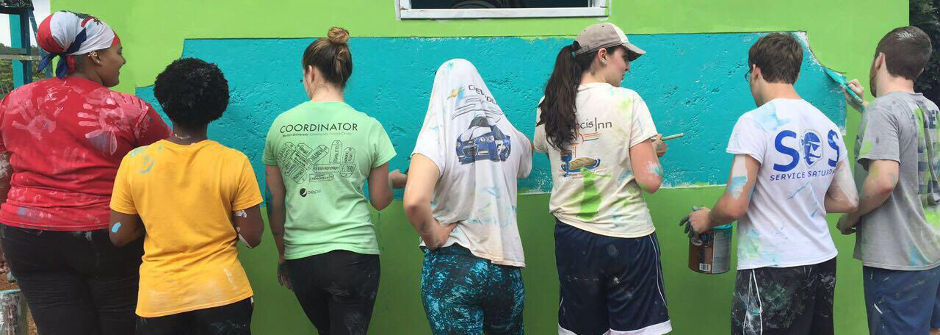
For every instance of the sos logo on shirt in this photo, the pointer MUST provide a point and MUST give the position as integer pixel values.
(808, 149)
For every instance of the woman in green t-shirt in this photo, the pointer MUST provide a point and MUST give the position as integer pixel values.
(318, 156)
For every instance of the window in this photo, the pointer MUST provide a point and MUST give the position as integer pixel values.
(492, 9)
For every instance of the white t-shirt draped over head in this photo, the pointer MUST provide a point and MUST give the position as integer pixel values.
(480, 156)
(593, 185)
(798, 148)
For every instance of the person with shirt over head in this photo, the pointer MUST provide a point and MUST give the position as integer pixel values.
(61, 141)
(603, 146)
(192, 199)
(789, 170)
(461, 199)
(898, 218)
(318, 155)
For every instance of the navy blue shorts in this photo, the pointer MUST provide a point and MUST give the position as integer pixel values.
(609, 284)
(902, 302)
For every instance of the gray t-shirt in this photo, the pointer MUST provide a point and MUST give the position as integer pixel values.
(904, 233)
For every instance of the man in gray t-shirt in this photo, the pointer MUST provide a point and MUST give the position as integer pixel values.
(904, 232)
(898, 217)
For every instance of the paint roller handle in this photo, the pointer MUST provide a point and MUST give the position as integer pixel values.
(853, 91)
(674, 136)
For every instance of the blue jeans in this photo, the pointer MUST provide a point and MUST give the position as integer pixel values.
(466, 295)
(902, 302)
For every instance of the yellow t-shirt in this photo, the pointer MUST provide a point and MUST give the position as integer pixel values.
(185, 196)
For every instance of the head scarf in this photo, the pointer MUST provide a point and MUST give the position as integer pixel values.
(66, 34)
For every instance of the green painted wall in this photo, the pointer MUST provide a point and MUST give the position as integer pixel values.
(842, 34)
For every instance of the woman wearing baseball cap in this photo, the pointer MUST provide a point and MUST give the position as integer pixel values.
(61, 141)
(603, 147)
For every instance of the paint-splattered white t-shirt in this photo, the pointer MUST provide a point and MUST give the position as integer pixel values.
(593, 186)
(798, 148)
(480, 156)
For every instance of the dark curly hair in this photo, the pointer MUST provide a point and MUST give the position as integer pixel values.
(192, 92)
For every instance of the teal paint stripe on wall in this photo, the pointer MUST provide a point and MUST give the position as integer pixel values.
(692, 83)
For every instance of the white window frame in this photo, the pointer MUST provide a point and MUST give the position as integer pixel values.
(596, 8)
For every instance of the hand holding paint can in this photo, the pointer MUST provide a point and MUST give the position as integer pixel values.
(709, 252)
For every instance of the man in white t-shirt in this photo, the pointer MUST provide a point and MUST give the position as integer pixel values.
(789, 170)
(461, 198)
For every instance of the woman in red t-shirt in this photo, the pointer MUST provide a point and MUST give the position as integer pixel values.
(61, 141)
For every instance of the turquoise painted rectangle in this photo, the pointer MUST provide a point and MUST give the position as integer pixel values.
(692, 83)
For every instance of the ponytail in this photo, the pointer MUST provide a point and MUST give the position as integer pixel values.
(561, 92)
(331, 56)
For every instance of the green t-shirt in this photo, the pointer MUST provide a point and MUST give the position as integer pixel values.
(325, 152)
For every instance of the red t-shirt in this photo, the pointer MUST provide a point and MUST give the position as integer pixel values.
(66, 138)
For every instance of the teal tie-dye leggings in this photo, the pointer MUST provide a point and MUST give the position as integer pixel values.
(467, 295)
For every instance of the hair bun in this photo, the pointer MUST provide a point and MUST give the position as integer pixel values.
(338, 35)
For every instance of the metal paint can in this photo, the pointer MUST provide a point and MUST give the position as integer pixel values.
(14, 318)
(710, 252)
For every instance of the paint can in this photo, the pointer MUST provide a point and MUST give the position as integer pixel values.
(710, 252)
(13, 313)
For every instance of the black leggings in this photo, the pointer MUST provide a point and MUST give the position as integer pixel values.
(231, 319)
(75, 283)
(336, 290)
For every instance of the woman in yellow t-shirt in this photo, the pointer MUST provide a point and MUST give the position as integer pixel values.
(191, 199)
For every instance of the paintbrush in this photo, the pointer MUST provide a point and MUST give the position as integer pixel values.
(840, 79)
(666, 138)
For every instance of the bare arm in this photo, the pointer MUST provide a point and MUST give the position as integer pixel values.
(880, 182)
(646, 168)
(422, 178)
(125, 228)
(277, 211)
(842, 197)
(277, 214)
(249, 225)
(380, 192)
(734, 203)
(6, 172)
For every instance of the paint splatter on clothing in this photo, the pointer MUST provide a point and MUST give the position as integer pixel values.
(326, 150)
(66, 138)
(792, 300)
(75, 282)
(902, 302)
(467, 295)
(594, 187)
(337, 290)
(232, 319)
(904, 232)
(798, 149)
(609, 285)
(185, 196)
(480, 155)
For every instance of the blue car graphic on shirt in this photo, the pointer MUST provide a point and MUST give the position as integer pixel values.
(482, 141)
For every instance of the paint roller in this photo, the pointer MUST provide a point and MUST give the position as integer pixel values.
(840, 79)
(674, 136)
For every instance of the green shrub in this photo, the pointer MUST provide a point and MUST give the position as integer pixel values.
(925, 14)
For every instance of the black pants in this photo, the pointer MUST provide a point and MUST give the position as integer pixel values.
(75, 283)
(336, 290)
(231, 319)
(784, 301)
